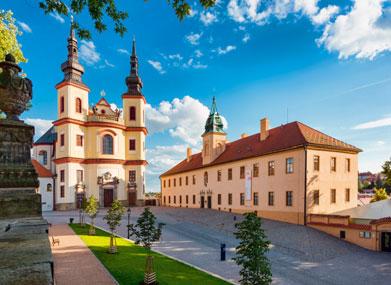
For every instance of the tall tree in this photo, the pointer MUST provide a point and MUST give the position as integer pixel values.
(98, 9)
(380, 194)
(387, 173)
(113, 218)
(8, 37)
(251, 251)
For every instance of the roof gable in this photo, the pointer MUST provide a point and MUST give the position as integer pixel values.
(47, 138)
(41, 170)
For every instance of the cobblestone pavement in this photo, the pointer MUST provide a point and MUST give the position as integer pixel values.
(299, 255)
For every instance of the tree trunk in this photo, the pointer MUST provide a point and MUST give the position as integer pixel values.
(92, 228)
(149, 275)
(112, 248)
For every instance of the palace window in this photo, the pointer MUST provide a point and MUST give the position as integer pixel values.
(49, 187)
(241, 199)
(62, 191)
(255, 199)
(62, 175)
(62, 140)
(180, 199)
(132, 177)
(62, 104)
(164, 183)
(230, 199)
(174, 182)
(347, 195)
(271, 198)
(218, 199)
(79, 140)
(132, 144)
(366, 235)
(242, 172)
(180, 181)
(205, 178)
(169, 183)
(107, 144)
(132, 113)
(78, 105)
(219, 175)
(164, 200)
(187, 180)
(316, 163)
(333, 164)
(289, 165)
(271, 168)
(347, 164)
(289, 198)
(43, 157)
(194, 199)
(174, 199)
(229, 173)
(194, 179)
(255, 170)
(79, 176)
(187, 199)
(169, 199)
(316, 197)
(333, 196)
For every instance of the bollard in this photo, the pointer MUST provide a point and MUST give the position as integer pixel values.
(71, 221)
(234, 218)
(222, 251)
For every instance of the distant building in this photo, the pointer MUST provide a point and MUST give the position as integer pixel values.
(46, 184)
(95, 150)
(283, 173)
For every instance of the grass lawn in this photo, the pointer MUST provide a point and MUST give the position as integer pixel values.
(127, 266)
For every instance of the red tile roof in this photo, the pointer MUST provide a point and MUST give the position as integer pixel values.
(41, 170)
(289, 136)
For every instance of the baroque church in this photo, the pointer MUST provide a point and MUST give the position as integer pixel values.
(93, 150)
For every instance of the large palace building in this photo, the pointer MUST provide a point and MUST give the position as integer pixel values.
(284, 173)
(95, 150)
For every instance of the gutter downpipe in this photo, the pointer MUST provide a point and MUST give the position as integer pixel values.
(305, 185)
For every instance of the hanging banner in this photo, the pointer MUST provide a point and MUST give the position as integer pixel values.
(248, 184)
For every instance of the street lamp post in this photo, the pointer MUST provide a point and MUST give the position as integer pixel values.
(129, 211)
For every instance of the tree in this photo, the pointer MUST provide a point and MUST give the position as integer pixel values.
(8, 37)
(380, 194)
(113, 218)
(97, 10)
(387, 173)
(251, 251)
(146, 233)
(83, 206)
(92, 211)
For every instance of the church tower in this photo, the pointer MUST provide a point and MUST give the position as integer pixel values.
(214, 138)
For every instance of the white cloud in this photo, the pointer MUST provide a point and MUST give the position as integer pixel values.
(325, 14)
(175, 56)
(25, 27)
(359, 32)
(246, 38)
(123, 51)
(192, 13)
(88, 52)
(182, 118)
(40, 125)
(248, 10)
(385, 122)
(308, 7)
(157, 66)
(198, 53)
(161, 158)
(109, 64)
(191, 63)
(58, 17)
(193, 38)
(226, 49)
(208, 18)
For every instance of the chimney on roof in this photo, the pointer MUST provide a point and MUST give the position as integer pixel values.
(188, 154)
(264, 129)
(244, 135)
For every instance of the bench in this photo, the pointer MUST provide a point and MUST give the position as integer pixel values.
(55, 241)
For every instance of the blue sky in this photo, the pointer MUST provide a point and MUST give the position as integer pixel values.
(324, 63)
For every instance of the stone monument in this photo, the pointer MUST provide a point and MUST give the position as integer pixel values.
(24, 246)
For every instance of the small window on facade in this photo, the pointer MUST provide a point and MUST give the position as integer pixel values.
(347, 164)
(164, 183)
(194, 199)
(271, 198)
(241, 199)
(255, 170)
(342, 234)
(230, 199)
(62, 140)
(218, 175)
(169, 199)
(78, 105)
(174, 182)
(180, 181)
(62, 191)
(205, 178)
(333, 164)
(62, 175)
(316, 197)
(271, 168)
(218, 199)
(229, 173)
(242, 172)
(164, 200)
(43, 157)
(289, 165)
(132, 144)
(347, 195)
(107, 142)
(79, 140)
(194, 179)
(289, 198)
(255, 199)
(333, 196)
(49, 187)
(180, 199)
(132, 113)
(132, 177)
(316, 163)
(79, 176)
(62, 104)
(187, 199)
(174, 199)
(169, 182)
(187, 180)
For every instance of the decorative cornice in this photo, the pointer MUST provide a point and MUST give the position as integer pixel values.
(130, 96)
(99, 161)
(78, 85)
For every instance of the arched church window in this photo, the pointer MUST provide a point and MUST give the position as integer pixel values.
(205, 178)
(61, 104)
(78, 105)
(132, 113)
(107, 144)
(43, 157)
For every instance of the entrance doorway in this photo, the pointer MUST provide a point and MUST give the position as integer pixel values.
(202, 202)
(209, 202)
(386, 241)
(107, 197)
(132, 198)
